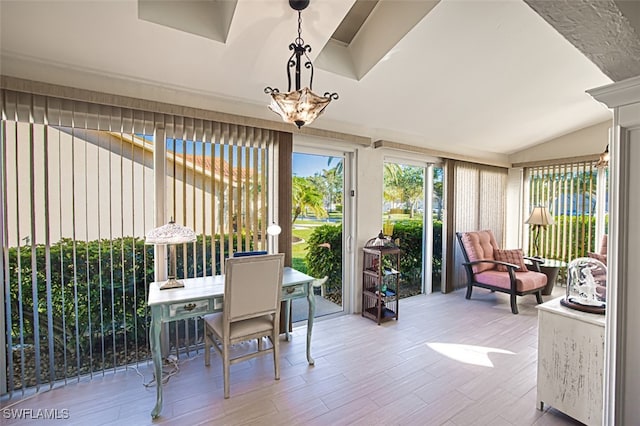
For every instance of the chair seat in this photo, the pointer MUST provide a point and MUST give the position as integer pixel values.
(246, 327)
(525, 281)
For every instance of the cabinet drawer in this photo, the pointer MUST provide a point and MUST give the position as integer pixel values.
(294, 290)
(189, 308)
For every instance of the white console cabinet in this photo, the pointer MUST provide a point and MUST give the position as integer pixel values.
(571, 361)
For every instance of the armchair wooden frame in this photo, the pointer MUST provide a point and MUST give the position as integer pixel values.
(512, 290)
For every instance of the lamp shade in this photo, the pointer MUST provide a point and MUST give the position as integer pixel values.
(540, 215)
(274, 229)
(299, 107)
(604, 158)
(171, 233)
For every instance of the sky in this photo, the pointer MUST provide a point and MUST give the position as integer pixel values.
(308, 164)
(304, 165)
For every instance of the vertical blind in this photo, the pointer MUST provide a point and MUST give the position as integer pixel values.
(570, 192)
(480, 198)
(479, 202)
(78, 191)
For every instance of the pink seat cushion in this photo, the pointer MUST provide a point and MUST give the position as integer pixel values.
(525, 281)
(601, 257)
(480, 246)
(603, 245)
(515, 256)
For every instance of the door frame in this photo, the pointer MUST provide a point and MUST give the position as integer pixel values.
(304, 145)
(427, 164)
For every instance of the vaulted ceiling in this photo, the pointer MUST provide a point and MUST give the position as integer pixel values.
(474, 77)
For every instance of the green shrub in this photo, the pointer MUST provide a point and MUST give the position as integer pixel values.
(98, 298)
(326, 261)
(409, 232)
(581, 233)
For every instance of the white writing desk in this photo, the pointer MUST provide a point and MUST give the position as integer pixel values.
(201, 296)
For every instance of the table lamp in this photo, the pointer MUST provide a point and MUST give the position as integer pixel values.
(171, 234)
(540, 217)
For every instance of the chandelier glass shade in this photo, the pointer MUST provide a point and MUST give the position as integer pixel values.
(299, 106)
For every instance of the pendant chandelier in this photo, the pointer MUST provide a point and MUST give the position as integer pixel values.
(300, 106)
(604, 158)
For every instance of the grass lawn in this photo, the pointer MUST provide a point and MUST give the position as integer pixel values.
(398, 217)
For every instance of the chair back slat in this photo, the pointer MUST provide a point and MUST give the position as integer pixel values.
(252, 286)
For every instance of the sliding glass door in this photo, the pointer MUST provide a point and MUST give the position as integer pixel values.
(412, 215)
(318, 212)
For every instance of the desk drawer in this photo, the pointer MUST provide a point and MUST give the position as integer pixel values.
(194, 307)
(294, 291)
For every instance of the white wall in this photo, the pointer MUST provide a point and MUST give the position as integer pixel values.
(82, 183)
(90, 185)
(587, 141)
(622, 381)
(368, 207)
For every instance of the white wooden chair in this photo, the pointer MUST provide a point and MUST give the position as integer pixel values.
(320, 282)
(251, 310)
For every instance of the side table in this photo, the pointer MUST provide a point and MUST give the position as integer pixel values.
(570, 361)
(550, 268)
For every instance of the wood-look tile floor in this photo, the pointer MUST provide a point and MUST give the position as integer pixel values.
(446, 361)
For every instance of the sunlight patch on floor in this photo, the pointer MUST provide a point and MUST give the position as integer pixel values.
(469, 354)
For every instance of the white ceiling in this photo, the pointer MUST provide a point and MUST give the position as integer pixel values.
(474, 77)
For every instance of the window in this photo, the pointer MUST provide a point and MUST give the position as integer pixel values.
(79, 187)
(572, 194)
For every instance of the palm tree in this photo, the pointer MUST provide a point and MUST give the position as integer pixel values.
(333, 181)
(404, 183)
(306, 197)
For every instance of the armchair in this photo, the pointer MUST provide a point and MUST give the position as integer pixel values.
(499, 270)
(601, 255)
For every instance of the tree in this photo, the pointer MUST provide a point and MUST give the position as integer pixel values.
(438, 173)
(333, 180)
(404, 184)
(305, 196)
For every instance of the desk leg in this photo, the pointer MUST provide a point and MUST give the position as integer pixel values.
(156, 354)
(287, 318)
(312, 312)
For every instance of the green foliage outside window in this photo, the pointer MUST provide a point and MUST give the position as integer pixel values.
(324, 255)
(409, 232)
(98, 291)
(580, 235)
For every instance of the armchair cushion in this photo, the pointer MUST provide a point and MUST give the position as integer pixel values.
(525, 281)
(480, 245)
(603, 245)
(515, 256)
(601, 257)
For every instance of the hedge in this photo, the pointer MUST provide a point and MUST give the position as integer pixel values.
(409, 232)
(108, 279)
(323, 260)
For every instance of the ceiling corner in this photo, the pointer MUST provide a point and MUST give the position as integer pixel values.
(206, 18)
(370, 45)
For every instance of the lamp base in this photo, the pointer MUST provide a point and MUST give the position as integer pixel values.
(172, 283)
